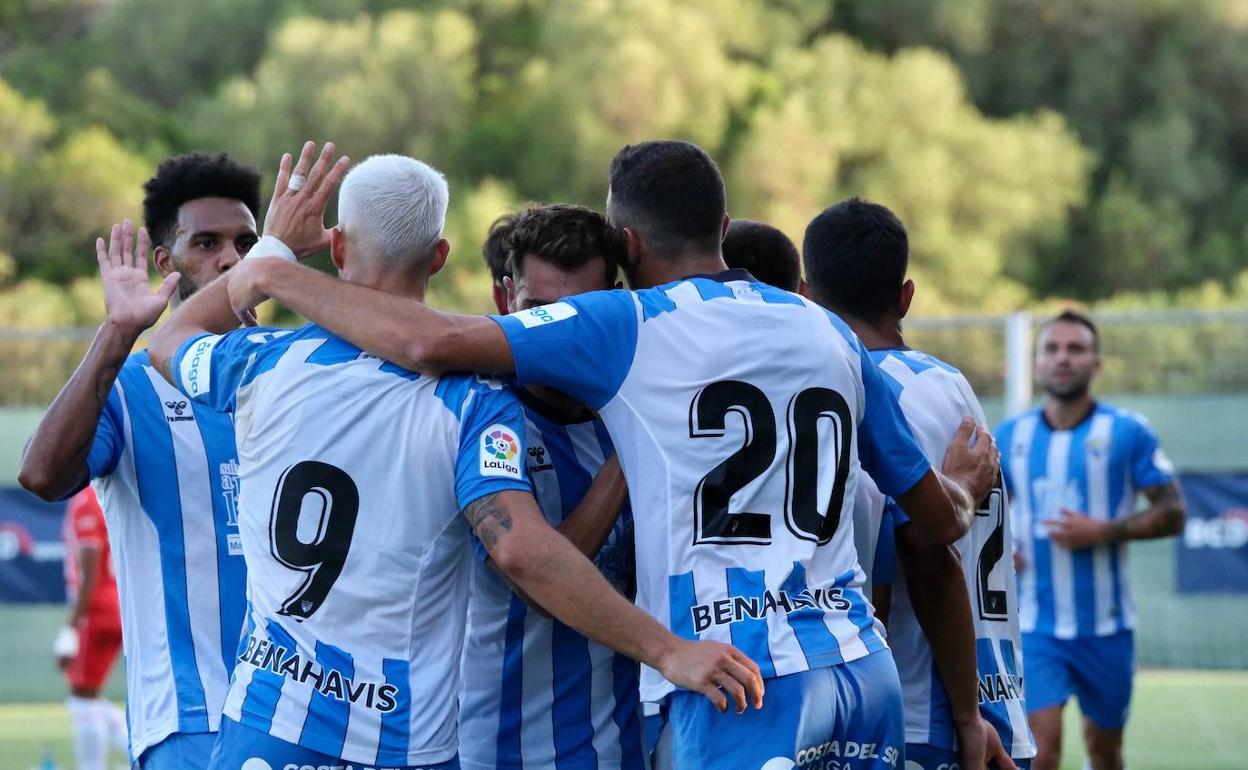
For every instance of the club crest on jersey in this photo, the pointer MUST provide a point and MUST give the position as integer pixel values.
(546, 314)
(500, 452)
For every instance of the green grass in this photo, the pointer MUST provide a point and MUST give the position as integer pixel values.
(1188, 720)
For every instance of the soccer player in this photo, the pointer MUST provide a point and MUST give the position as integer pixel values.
(856, 255)
(740, 413)
(165, 469)
(88, 644)
(1075, 468)
(354, 475)
(765, 252)
(537, 694)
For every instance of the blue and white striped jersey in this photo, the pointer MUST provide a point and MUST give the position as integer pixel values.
(1096, 468)
(537, 694)
(742, 415)
(166, 474)
(935, 397)
(353, 472)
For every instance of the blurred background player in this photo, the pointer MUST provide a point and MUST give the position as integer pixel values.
(710, 458)
(537, 694)
(348, 653)
(763, 251)
(955, 613)
(1075, 468)
(87, 646)
(166, 470)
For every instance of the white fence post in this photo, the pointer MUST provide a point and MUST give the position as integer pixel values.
(1017, 363)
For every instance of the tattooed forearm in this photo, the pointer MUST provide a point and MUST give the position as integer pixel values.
(1165, 516)
(488, 520)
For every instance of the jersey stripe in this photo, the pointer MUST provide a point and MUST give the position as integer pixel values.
(325, 729)
(392, 744)
(151, 459)
(570, 679)
(682, 596)
(816, 639)
(1024, 524)
(750, 635)
(512, 686)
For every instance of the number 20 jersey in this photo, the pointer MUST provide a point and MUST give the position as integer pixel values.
(353, 472)
(935, 397)
(740, 414)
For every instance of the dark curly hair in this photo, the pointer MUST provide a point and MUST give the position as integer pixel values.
(566, 236)
(190, 177)
(494, 250)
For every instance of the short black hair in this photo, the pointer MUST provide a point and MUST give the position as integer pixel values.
(190, 177)
(1072, 316)
(765, 251)
(671, 192)
(566, 236)
(856, 253)
(494, 249)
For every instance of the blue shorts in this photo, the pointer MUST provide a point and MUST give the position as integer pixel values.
(180, 751)
(922, 756)
(240, 747)
(1098, 670)
(843, 717)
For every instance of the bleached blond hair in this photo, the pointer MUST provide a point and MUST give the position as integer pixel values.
(393, 209)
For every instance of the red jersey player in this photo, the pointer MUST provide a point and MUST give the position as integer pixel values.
(88, 644)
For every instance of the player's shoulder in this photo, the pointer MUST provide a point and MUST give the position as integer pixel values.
(1129, 419)
(1010, 423)
(458, 392)
(917, 361)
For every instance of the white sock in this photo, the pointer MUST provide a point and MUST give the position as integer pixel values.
(90, 734)
(115, 721)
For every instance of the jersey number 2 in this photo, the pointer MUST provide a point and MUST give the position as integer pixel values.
(331, 502)
(713, 522)
(992, 601)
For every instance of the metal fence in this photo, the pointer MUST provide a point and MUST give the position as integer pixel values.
(1153, 352)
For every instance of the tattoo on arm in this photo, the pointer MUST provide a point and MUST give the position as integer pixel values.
(1165, 516)
(488, 520)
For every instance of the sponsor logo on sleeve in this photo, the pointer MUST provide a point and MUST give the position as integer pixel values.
(500, 452)
(546, 314)
(196, 367)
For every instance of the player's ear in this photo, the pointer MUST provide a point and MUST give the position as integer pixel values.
(803, 289)
(337, 248)
(500, 296)
(905, 298)
(441, 250)
(723, 227)
(509, 295)
(162, 257)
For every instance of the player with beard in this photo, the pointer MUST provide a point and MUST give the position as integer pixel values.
(1075, 467)
(537, 694)
(165, 470)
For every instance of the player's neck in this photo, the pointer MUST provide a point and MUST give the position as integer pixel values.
(1065, 414)
(401, 284)
(877, 336)
(658, 271)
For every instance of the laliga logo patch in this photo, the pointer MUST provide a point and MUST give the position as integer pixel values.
(500, 452)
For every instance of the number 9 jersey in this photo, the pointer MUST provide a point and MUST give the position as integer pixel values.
(741, 414)
(353, 473)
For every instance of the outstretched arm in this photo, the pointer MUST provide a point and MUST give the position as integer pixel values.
(401, 330)
(54, 463)
(550, 569)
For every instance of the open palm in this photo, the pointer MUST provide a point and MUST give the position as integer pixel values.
(129, 298)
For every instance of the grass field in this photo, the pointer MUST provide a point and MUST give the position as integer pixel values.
(1181, 720)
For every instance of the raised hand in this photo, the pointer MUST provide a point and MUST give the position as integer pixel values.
(130, 301)
(721, 672)
(296, 212)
